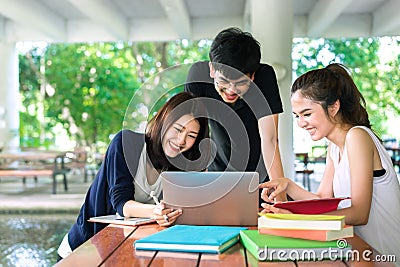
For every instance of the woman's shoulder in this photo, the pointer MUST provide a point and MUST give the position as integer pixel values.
(126, 133)
(359, 134)
(127, 137)
(130, 133)
(360, 139)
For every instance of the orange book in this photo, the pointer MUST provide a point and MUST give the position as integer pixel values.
(320, 235)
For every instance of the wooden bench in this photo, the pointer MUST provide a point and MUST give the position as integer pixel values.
(53, 171)
(35, 173)
(78, 160)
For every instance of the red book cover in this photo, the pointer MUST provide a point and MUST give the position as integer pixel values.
(311, 206)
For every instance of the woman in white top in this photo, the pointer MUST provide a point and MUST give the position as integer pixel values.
(328, 104)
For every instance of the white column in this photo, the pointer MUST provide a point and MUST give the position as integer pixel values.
(272, 25)
(9, 97)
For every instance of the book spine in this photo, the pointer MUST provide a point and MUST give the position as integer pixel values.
(319, 235)
(176, 248)
(298, 224)
(249, 245)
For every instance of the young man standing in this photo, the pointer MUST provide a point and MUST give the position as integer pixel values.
(246, 103)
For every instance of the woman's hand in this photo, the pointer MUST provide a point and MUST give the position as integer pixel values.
(271, 209)
(273, 188)
(165, 217)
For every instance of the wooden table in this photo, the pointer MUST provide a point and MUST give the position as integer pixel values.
(113, 246)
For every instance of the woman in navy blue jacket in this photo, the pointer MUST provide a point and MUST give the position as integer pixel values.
(133, 162)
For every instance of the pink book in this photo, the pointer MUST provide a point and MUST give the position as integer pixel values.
(320, 235)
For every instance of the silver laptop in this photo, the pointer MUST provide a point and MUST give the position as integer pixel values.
(212, 198)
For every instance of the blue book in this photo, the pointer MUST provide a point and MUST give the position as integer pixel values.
(191, 238)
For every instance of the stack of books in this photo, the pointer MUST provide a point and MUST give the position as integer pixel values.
(298, 237)
(191, 238)
(310, 227)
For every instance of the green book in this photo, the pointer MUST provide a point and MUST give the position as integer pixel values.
(278, 248)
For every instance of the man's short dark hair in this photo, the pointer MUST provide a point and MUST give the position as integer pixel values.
(237, 49)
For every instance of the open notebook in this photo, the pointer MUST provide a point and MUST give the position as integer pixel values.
(117, 219)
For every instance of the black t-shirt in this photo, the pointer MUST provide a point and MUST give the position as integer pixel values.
(234, 128)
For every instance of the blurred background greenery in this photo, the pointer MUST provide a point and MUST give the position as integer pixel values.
(82, 92)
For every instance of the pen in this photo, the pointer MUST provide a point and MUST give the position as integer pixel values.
(154, 198)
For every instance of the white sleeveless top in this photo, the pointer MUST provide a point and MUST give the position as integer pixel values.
(382, 229)
(142, 187)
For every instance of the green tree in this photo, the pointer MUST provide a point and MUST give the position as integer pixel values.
(95, 89)
(88, 86)
(390, 78)
(30, 80)
(91, 86)
(166, 65)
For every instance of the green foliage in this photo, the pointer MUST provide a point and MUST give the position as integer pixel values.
(91, 89)
(389, 81)
(29, 78)
(92, 83)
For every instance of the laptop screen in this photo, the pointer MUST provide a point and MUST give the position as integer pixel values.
(212, 198)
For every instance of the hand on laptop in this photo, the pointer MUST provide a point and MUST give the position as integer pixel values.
(165, 216)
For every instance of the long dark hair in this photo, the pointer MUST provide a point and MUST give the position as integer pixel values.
(181, 104)
(332, 83)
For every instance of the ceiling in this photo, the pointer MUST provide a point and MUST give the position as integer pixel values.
(155, 20)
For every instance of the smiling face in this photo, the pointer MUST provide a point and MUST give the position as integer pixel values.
(230, 90)
(311, 116)
(181, 136)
